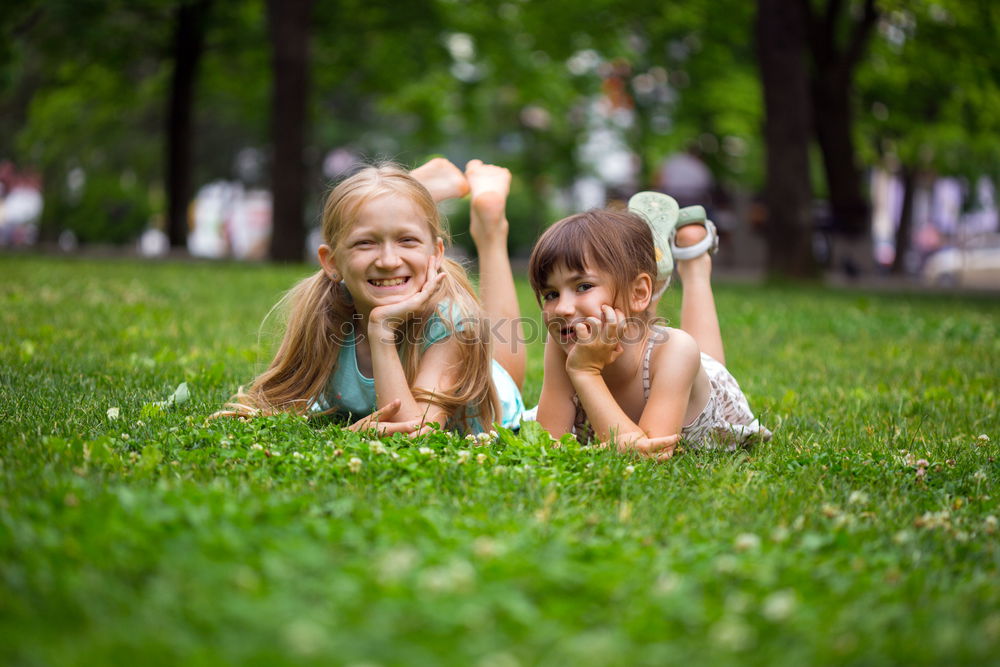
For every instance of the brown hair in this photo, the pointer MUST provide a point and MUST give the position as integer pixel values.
(319, 310)
(615, 242)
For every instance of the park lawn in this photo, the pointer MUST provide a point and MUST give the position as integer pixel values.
(865, 532)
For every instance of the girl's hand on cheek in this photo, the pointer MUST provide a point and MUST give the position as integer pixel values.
(391, 317)
(598, 342)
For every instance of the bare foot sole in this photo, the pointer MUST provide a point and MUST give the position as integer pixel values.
(442, 179)
(489, 186)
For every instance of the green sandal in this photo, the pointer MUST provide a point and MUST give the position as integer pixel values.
(694, 215)
(660, 213)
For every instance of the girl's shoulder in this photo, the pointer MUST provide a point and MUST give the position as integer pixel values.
(670, 346)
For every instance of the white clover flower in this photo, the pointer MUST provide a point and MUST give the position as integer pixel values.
(376, 447)
(256, 447)
(922, 463)
(426, 451)
(779, 605)
(480, 458)
(779, 534)
(979, 475)
(982, 439)
(746, 542)
(485, 547)
(354, 464)
(470, 437)
(991, 524)
(628, 471)
(394, 455)
(113, 413)
(857, 498)
(463, 455)
(297, 455)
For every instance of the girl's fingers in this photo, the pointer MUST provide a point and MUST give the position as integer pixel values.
(661, 443)
(387, 428)
(382, 414)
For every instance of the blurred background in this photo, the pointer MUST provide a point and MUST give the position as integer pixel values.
(849, 137)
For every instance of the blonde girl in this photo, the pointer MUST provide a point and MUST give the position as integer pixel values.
(389, 329)
(611, 371)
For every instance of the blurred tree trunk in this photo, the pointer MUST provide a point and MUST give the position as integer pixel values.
(188, 44)
(289, 23)
(832, 89)
(905, 229)
(780, 32)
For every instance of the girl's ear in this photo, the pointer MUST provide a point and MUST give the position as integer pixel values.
(326, 260)
(641, 293)
(439, 250)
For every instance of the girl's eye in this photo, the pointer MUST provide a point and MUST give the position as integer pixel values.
(363, 243)
(409, 240)
(548, 296)
(583, 287)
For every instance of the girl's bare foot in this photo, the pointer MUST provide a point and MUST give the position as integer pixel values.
(442, 178)
(699, 267)
(489, 186)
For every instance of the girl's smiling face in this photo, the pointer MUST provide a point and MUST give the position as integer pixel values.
(383, 257)
(569, 297)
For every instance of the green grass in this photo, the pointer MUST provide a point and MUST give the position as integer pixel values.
(158, 538)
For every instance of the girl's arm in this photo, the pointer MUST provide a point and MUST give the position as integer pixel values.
(598, 345)
(675, 369)
(387, 367)
(556, 411)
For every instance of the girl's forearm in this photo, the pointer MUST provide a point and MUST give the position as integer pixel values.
(605, 415)
(390, 378)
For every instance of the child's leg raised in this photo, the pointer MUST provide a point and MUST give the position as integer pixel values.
(442, 179)
(698, 315)
(489, 186)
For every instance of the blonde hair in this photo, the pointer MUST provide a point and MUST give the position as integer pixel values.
(618, 243)
(320, 312)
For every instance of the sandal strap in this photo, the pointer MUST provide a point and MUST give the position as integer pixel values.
(708, 244)
(691, 215)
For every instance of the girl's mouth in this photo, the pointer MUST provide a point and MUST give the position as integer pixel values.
(567, 334)
(388, 282)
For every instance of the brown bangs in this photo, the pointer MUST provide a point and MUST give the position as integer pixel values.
(615, 242)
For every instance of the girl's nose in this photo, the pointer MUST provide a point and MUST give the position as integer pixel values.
(387, 257)
(564, 306)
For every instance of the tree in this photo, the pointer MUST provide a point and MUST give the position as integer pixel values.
(933, 86)
(288, 24)
(837, 38)
(780, 31)
(188, 43)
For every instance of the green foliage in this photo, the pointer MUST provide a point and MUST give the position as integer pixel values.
(866, 532)
(930, 88)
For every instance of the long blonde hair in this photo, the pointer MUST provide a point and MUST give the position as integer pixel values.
(321, 312)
